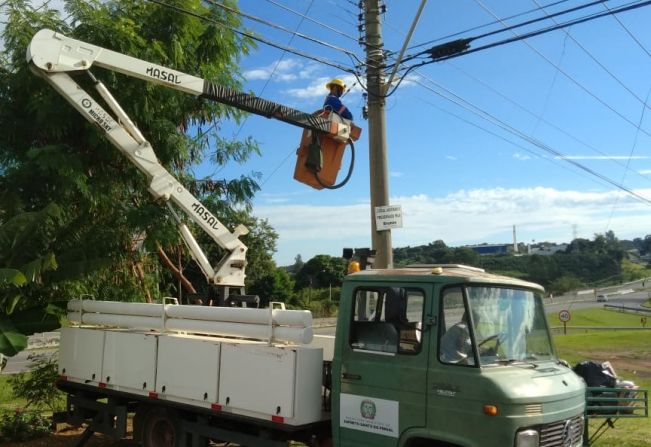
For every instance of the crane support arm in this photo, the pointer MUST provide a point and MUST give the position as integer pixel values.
(50, 55)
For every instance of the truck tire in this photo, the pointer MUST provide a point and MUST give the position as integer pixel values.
(161, 427)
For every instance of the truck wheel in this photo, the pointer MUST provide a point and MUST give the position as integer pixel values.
(161, 428)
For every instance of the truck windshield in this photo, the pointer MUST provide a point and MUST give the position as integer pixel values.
(487, 325)
(508, 325)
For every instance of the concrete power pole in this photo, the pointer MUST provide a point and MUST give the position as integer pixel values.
(377, 143)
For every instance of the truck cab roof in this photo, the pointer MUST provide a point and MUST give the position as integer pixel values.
(448, 273)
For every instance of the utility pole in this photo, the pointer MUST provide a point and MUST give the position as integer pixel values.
(377, 143)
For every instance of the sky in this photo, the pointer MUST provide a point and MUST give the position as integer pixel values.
(461, 176)
(538, 133)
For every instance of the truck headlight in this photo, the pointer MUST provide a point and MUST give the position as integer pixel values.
(527, 438)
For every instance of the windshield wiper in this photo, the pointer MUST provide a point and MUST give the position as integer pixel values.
(513, 361)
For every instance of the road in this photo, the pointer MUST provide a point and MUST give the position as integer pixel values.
(632, 295)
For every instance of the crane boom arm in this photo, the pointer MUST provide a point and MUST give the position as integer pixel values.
(53, 52)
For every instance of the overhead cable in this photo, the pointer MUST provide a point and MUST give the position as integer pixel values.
(596, 61)
(563, 72)
(453, 97)
(282, 28)
(254, 37)
(310, 19)
(475, 28)
(635, 39)
(538, 117)
(460, 47)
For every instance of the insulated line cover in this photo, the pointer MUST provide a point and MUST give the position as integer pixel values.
(263, 107)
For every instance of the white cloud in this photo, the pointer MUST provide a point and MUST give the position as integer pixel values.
(523, 157)
(316, 88)
(283, 70)
(644, 171)
(461, 217)
(602, 157)
(396, 174)
(451, 157)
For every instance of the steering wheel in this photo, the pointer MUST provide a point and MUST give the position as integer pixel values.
(493, 350)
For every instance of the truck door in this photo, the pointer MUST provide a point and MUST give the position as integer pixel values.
(383, 366)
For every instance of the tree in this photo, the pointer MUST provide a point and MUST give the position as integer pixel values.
(51, 158)
(25, 257)
(274, 285)
(322, 271)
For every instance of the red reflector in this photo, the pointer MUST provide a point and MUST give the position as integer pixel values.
(278, 419)
(153, 395)
(102, 385)
(216, 407)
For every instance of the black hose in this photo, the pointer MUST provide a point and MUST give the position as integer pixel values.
(350, 170)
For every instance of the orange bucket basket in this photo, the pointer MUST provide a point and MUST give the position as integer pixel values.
(319, 157)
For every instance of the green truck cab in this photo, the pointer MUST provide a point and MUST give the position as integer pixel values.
(449, 356)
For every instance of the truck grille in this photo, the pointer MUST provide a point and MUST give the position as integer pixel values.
(533, 409)
(566, 433)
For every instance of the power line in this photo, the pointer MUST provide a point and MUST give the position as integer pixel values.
(596, 61)
(523, 37)
(469, 30)
(265, 86)
(282, 28)
(461, 47)
(629, 32)
(555, 27)
(503, 138)
(453, 97)
(310, 19)
(539, 117)
(254, 37)
(637, 134)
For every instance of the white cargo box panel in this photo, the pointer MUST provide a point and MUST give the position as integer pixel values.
(130, 361)
(81, 352)
(279, 382)
(188, 368)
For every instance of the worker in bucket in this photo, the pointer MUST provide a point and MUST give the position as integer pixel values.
(333, 102)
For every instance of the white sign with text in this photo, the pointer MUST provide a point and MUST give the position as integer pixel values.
(388, 217)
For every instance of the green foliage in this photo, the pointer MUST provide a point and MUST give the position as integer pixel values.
(25, 258)
(21, 426)
(318, 301)
(321, 271)
(435, 253)
(633, 272)
(37, 387)
(275, 285)
(584, 262)
(564, 284)
(71, 206)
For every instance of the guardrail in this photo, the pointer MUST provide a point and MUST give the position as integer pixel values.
(622, 308)
(612, 404)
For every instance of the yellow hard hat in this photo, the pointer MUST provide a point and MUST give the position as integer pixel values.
(338, 82)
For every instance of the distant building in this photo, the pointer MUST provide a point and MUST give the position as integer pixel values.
(493, 249)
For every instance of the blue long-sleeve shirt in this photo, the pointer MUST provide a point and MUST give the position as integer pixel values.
(332, 102)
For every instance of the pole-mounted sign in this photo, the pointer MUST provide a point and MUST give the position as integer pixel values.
(388, 217)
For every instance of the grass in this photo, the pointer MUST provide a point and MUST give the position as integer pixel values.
(598, 318)
(7, 399)
(629, 351)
